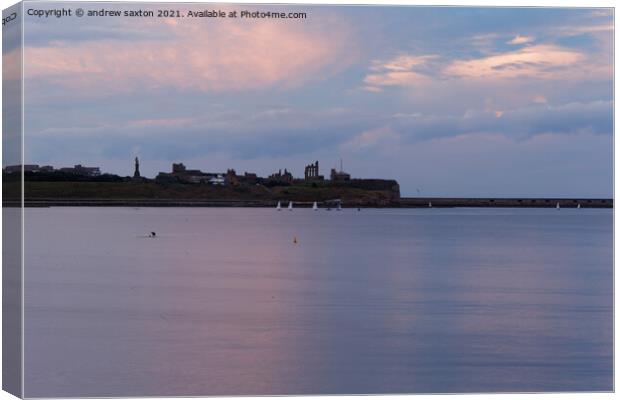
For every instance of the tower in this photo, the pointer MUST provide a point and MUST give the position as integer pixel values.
(136, 173)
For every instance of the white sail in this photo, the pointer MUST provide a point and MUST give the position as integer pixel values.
(279, 207)
(290, 205)
(315, 206)
(430, 205)
(557, 206)
(578, 205)
(339, 208)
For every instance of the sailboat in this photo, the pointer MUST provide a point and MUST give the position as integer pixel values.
(290, 206)
(315, 206)
(279, 207)
(430, 205)
(557, 206)
(578, 205)
(339, 208)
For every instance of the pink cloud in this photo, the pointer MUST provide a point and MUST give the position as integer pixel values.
(544, 61)
(492, 68)
(521, 39)
(398, 71)
(11, 65)
(540, 61)
(401, 63)
(379, 137)
(205, 57)
(539, 99)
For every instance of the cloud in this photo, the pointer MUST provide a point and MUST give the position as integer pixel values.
(397, 71)
(540, 61)
(372, 139)
(408, 78)
(401, 63)
(521, 39)
(211, 57)
(540, 99)
(373, 89)
(535, 62)
(266, 132)
(605, 27)
(603, 12)
(575, 51)
(482, 42)
(594, 117)
(12, 65)
(161, 123)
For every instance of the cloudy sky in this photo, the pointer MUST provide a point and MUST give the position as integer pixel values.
(448, 101)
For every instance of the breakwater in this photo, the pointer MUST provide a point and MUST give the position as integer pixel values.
(405, 202)
(505, 202)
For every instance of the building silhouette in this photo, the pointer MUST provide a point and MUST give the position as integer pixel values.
(183, 175)
(82, 170)
(311, 172)
(339, 176)
(281, 177)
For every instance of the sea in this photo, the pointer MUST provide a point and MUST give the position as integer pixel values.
(255, 301)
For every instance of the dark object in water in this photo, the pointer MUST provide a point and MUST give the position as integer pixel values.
(153, 234)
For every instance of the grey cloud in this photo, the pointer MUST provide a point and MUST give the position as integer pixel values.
(594, 117)
(291, 133)
(242, 136)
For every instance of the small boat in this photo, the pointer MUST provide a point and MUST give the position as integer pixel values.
(290, 206)
(279, 207)
(339, 208)
(578, 205)
(430, 205)
(557, 206)
(315, 206)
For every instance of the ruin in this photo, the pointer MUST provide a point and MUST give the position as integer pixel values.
(311, 172)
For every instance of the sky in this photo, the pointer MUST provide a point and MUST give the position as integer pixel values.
(448, 101)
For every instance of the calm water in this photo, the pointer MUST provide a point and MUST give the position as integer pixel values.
(223, 302)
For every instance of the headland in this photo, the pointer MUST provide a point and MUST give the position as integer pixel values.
(46, 186)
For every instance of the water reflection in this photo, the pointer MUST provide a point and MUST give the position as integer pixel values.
(223, 302)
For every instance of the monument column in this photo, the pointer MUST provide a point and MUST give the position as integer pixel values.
(136, 173)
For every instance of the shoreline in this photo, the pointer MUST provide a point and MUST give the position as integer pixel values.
(405, 202)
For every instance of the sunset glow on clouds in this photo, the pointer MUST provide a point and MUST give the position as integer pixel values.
(522, 39)
(383, 88)
(540, 61)
(399, 71)
(203, 57)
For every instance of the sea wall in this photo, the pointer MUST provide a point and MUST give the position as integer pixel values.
(505, 202)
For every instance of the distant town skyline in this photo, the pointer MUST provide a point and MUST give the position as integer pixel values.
(448, 101)
(311, 171)
(135, 163)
